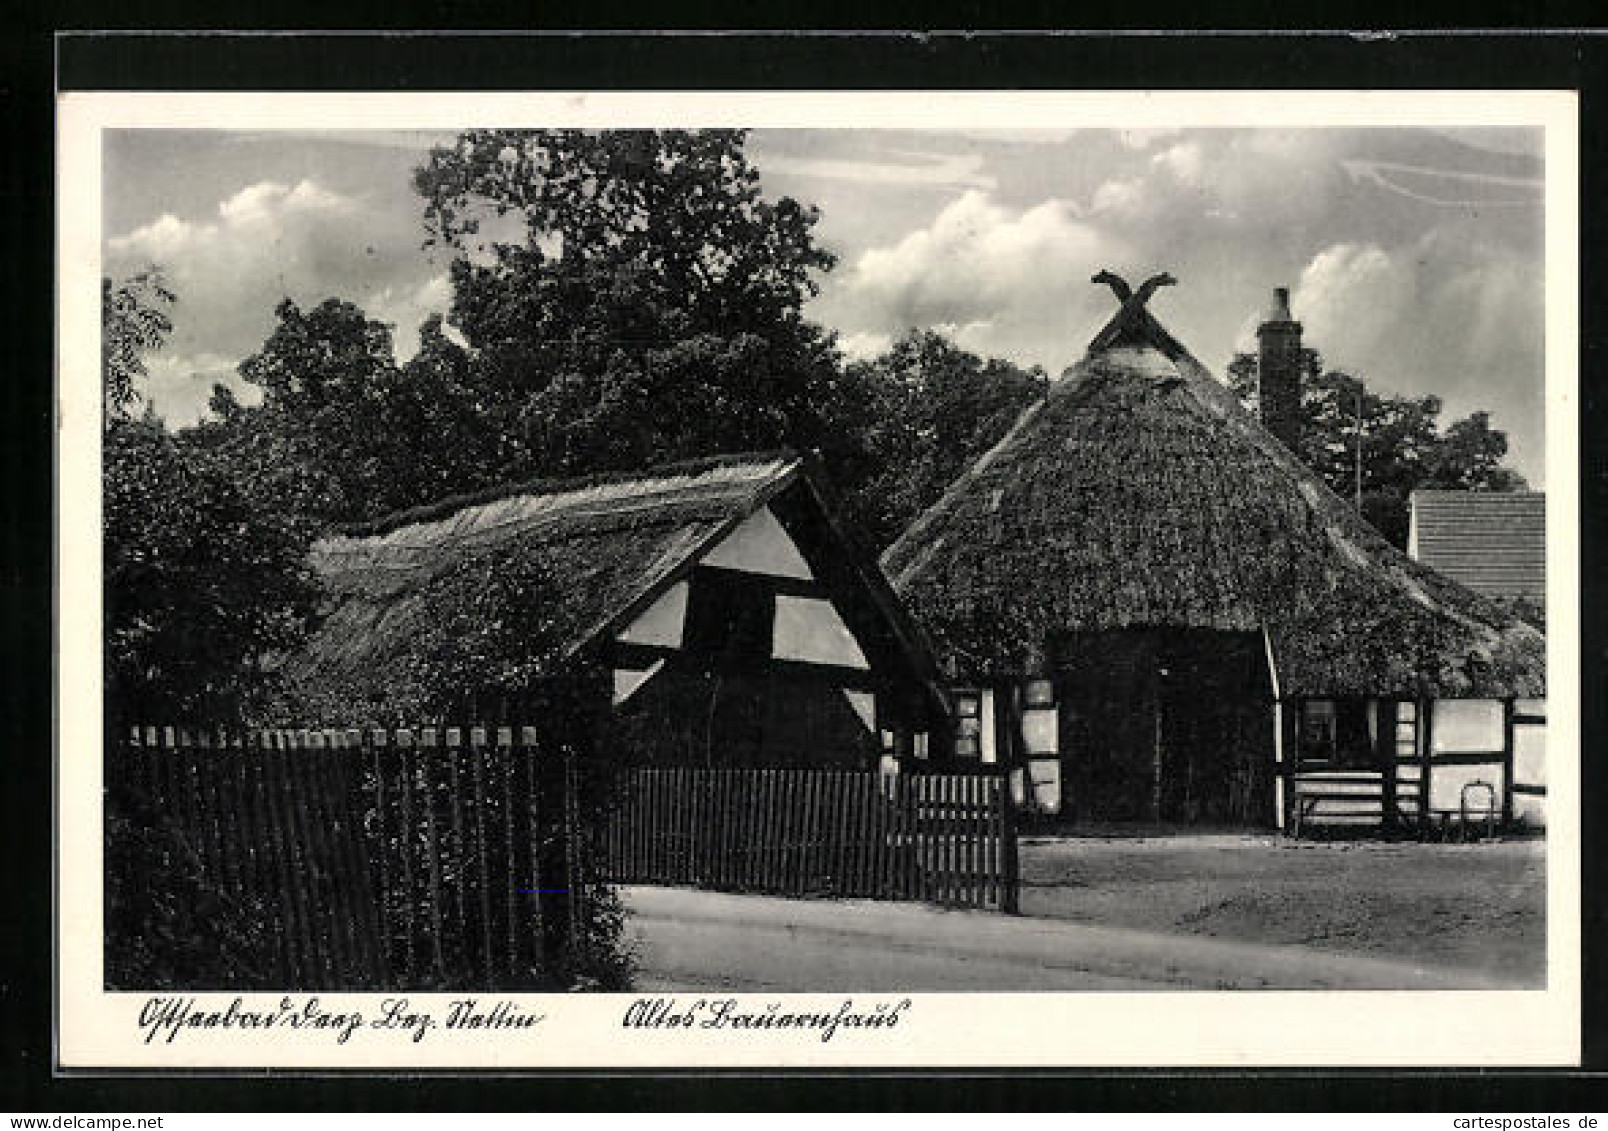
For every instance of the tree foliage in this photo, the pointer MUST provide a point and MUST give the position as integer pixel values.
(632, 297)
(200, 583)
(933, 409)
(344, 434)
(166, 926)
(134, 322)
(1404, 447)
(619, 299)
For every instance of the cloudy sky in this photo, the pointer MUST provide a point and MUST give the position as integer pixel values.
(1414, 256)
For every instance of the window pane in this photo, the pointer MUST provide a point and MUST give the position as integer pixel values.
(1040, 693)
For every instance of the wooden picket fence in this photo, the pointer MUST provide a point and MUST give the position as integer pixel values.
(940, 838)
(429, 858)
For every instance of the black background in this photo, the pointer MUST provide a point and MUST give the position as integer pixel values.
(29, 62)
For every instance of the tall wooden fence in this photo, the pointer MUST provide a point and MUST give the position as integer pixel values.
(429, 858)
(934, 837)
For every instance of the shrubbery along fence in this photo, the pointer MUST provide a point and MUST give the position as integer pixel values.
(459, 857)
(437, 857)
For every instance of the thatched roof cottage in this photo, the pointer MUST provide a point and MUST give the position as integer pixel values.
(714, 609)
(1147, 598)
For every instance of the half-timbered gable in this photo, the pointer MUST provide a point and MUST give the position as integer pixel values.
(731, 619)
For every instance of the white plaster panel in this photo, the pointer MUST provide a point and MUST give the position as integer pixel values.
(809, 629)
(1467, 724)
(990, 752)
(1530, 809)
(1446, 787)
(1530, 707)
(865, 705)
(760, 545)
(1530, 755)
(1045, 774)
(662, 621)
(1018, 787)
(626, 682)
(1039, 730)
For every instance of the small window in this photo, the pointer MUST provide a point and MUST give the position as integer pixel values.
(1317, 729)
(968, 738)
(1040, 693)
(1337, 732)
(968, 724)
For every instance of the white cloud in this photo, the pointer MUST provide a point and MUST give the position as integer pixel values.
(1445, 315)
(1351, 296)
(864, 346)
(906, 167)
(1123, 197)
(161, 238)
(405, 308)
(1144, 139)
(180, 386)
(1002, 281)
(267, 241)
(1183, 161)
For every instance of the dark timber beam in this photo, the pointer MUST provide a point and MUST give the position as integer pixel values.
(1385, 754)
(638, 657)
(1507, 762)
(784, 586)
(1426, 747)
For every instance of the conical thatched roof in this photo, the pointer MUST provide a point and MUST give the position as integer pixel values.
(1140, 492)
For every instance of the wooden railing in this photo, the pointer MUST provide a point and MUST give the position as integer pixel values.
(1351, 797)
(938, 838)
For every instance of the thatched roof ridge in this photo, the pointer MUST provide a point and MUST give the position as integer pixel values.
(1140, 492)
(606, 544)
(550, 486)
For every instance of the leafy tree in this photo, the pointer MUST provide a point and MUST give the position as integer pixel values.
(199, 586)
(934, 409)
(632, 297)
(134, 322)
(307, 446)
(1470, 458)
(1404, 448)
(167, 927)
(200, 583)
(344, 434)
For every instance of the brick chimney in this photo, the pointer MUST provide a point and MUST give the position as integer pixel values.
(1278, 370)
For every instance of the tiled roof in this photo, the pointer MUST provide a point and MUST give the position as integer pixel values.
(1493, 542)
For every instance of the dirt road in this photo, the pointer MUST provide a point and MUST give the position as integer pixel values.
(697, 940)
(1474, 907)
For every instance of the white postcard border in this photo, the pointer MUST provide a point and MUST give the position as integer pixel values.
(100, 1030)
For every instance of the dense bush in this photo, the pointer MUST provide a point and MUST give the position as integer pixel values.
(166, 926)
